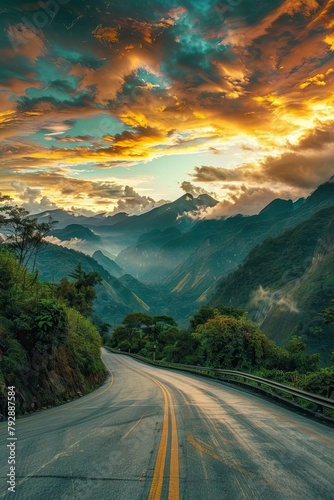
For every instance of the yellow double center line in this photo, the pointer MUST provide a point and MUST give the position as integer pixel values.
(159, 469)
(158, 476)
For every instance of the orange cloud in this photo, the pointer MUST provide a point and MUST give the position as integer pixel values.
(265, 85)
(26, 42)
(318, 79)
(106, 35)
(330, 41)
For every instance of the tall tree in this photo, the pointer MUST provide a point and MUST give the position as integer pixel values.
(23, 234)
(79, 294)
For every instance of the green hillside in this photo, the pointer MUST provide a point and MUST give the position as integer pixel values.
(108, 264)
(221, 252)
(49, 351)
(286, 281)
(113, 300)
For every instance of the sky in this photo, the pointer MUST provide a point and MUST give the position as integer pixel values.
(120, 106)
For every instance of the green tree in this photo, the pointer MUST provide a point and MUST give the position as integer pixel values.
(9, 284)
(202, 316)
(328, 314)
(47, 350)
(206, 312)
(121, 338)
(233, 343)
(233, 312)
(137, 320)
(82, 279)
(80, 293)
(51, 324)
(185, 348)
(296, 344)
(24, 235)
(162, 329)
(138, 328)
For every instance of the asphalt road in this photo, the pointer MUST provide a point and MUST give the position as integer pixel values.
(151, 433)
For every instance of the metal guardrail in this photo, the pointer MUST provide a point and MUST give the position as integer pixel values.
(320, 401)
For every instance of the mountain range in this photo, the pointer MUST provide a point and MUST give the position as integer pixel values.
(285, 282)
(171, 261)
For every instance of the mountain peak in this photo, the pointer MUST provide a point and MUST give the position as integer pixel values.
(201, 200)
(323, 195)
(277, 206)
(186, 197)
(207, 200)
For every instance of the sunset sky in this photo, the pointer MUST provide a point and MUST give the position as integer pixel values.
(119, 105)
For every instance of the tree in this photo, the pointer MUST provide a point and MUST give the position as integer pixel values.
(163, 329)
(233, 312)
(24, 235)
(137, 320)
(137, 327)
(206, 312)
(202, 316)
(296, 344)
(83, 279)
(79, 294)
(121, 338)
(51, 324)
(184, 349)
(233, 343)
(328, 314)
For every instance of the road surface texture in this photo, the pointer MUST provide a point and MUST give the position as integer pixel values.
(151, 433)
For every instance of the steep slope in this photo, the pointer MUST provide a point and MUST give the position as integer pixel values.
(286, 281)
(78, 236)
(170, 215)
(144, 260)
(113, 300)
(108, 264)
(76, 231)
(49, 352)
(276, 207)
(222, 251)
(121, 230)
(161, 301)
(115, 297)
(219, 253)
(158, 253)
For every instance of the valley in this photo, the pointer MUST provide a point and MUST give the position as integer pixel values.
(170, 261)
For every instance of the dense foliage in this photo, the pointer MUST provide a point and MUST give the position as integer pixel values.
(268, 263)
(223, 337)
(48, 350)
(287, 281)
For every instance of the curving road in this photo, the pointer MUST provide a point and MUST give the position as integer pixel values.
(152, 433)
